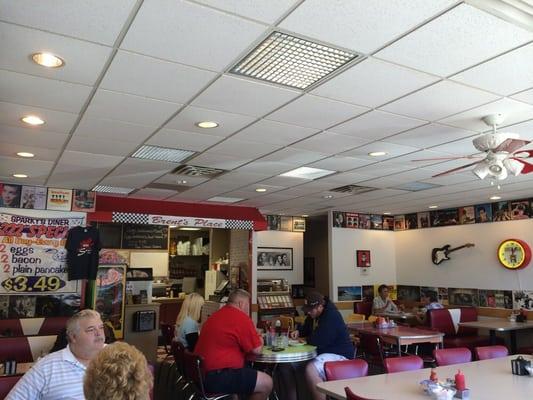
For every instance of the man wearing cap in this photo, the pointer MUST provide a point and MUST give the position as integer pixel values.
(325, 329)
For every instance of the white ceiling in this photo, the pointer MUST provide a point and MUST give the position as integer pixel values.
(144, 72)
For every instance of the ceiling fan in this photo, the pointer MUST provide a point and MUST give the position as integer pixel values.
(502, 153)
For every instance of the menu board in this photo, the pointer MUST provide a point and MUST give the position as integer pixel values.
(110, 234)
(140, 236)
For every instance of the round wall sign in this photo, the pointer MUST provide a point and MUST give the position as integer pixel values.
(514, 253)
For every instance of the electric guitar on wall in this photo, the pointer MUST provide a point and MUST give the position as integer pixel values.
(440, 254)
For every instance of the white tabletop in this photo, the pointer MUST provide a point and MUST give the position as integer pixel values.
(498, 324)
(487, 380)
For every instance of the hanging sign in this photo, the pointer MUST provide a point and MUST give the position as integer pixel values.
(33, 255)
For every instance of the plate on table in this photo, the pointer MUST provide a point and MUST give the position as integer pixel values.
(296, 343)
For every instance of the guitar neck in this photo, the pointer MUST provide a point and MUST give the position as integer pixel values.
(459, 248)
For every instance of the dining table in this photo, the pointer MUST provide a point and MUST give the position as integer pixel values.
(486, 380)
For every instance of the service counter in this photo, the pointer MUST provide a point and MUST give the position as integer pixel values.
(169, 309)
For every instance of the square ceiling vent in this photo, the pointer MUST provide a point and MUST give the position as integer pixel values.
(291, 61)
(353, 189)
(193, 170)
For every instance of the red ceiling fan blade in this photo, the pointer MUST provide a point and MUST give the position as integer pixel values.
(527, 166)
(511, 145)
(454, 170)
(528, 152)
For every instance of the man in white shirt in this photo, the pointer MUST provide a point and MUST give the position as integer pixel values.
(60, 375)
(382, 303)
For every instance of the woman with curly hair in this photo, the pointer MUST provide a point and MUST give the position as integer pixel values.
(187, 327)
(118, 372)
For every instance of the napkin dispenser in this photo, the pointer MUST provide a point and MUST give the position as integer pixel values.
(518, 366)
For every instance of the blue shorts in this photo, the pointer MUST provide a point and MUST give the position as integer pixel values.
(234, 381)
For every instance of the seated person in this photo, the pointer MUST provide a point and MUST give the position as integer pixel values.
(429, 302)
(62, 338)
(382, 303)
(228, 337)
(187, 328)
(324, 328)
(118, 372)
(60, 375)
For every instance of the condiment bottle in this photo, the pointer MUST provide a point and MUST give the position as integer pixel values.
(460, 381)
(433, 376)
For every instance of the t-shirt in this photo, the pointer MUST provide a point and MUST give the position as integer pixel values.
(188, 325)
(379, 303)
(227, 336)
(83, 245)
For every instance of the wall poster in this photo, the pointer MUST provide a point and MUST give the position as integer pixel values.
(109, 293)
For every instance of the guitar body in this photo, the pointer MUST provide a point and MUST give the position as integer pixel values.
(440, 254)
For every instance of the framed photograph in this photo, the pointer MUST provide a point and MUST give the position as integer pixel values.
(376, 222)
(84, 200)
(423, 219)
(349, 293)
(297, 292)
(286, 224)
(411, 221)
(501, 211)
(274, 222)
(388, 223)
(352, 220)
(33, 197)
(483, 213)
(399, 222)
(10, 195)
(467, 215)
(339, 219)
(520, 209)
(298, 224)
(363, 258)
(274, 258)
(59, 199)
(364, 221)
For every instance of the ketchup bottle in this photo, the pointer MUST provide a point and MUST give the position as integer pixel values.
(460, 381)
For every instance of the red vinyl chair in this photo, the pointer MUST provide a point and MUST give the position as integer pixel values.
(363, 307)
(194, 372)
(407, 363)
(488, 352)
(345, 369)
(352, 396)
(457, 355)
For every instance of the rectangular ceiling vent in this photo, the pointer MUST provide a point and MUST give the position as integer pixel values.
(168, 186)
(192, 170)
(353, 189)
(416, 186)
(291, 61)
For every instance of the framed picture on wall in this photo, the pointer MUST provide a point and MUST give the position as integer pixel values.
(274, 258)
(363, 258)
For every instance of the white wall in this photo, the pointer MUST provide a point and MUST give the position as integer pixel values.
(292, 240)
(475, 267)
(344, 243)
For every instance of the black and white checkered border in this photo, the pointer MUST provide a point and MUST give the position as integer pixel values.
(130, 218)
(239, 224)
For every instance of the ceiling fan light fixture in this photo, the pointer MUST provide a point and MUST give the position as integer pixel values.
(513, 166)
(481, 170)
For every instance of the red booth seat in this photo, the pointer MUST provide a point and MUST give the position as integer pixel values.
(454, 336)
(6, 384)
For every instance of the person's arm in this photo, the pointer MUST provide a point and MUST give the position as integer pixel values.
(30, 386)
(257, 350)
(191, 339)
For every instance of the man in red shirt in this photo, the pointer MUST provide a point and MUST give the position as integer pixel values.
(227, 337)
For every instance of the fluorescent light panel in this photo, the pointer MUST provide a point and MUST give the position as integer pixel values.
(307, 173)
(112, 189)
(290, 61)
(221, 199)
(162, 153)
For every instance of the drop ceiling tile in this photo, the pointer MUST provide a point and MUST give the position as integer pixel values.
(373, 82)
(268, 12)
(239, 194)
(41, 153)
(84, 60)
(339, 163)
(329, 143)
(158, 79)
(173, 179)
(170, 30)
(182, 140)
(360, 25)
(377, 125)
(139, 165)
(265, 200)
(458, 39)
(236, 148)
(37, 138)
(137, 180)
(429, 135)
(294, 156)
(112, 130)
(440, 100)
(460, 147)
(35, 169)
(243, 177)
(152, 194)
(235, 95)
(97, 20)
(524, 129)
(129, 108)
(270, 187)
(514, 111)
(228, 123)
(30, 181)
(209, 159)
(383, 168)
(88, 160)
(55, 121)
(451, 179)
(101, 146)
(316, 112)
(266, 167)
(281, 182)
(272, 132)
(345, 178)
(42, 92)
(526, 96)
(393, 150)
(381, 183)
(513, 71)
(74, 176)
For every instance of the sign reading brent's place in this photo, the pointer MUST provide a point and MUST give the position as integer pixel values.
(187, 221)
(33, 255)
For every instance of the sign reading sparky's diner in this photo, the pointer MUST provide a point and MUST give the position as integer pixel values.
(33, 255)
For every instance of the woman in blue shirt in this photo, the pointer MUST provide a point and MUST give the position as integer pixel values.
(187, 327)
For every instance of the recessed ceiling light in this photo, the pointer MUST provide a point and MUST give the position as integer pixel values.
(207, 124)
(113, 189)
(25, 154)
(47, 60)
(182, 182)
(305, 215)
(377, 153)
(189, 229)
(260, 190)
(433, 207)
(328, 196)
(222, 199)
(307, 173)
(20, 175)
(495, 197)
(32, 120)
(387, 213)
(162, 154)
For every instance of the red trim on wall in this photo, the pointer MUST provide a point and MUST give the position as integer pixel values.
(105, 205)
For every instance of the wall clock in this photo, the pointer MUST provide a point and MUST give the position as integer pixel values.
(514, 253)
